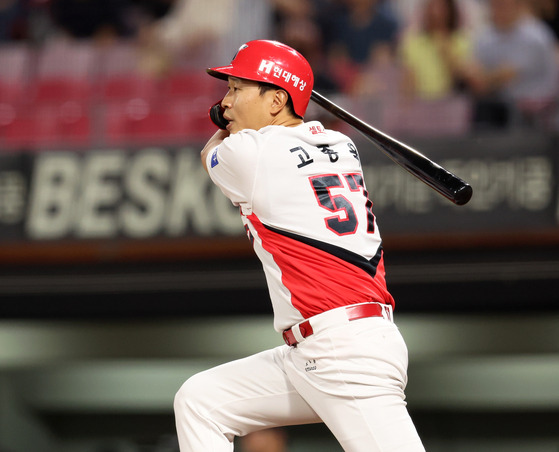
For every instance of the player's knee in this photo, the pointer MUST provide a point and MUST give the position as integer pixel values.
(189, 398)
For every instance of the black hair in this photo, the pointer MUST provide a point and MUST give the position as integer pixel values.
(453, 19)
(264, 86)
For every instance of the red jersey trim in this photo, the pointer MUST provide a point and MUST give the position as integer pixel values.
(319, 280)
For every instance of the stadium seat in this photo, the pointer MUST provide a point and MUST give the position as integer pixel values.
(192, 119)
(141, 122)
(124, 87)
(66, 71)
(61, 89)
(428, 118)
(68, 58)
(137, 122)
(119, 78)
(118, 59)
(80, 95)
(48, 126)
(56, 109)
(15, 67)
(191, 85)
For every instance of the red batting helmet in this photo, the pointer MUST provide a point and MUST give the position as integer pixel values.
(275, 63)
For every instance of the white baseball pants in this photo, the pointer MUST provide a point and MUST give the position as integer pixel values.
(351, 376)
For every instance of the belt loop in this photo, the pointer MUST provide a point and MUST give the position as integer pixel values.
(387, 312)
(297, 333)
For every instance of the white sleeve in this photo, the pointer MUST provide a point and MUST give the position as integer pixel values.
(232, 166)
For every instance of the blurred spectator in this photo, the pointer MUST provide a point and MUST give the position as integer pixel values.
(296, 23)
(143, 13)
(548, 11)
(12, 20)
(288, 10)
(197, 33)
(517, 76)
(101, 20)
(40, 24)
(472, 13)
(436, 53)
(155, 9)
(360, 35)
(269, 440)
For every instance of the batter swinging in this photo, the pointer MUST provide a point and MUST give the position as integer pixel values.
(307, 211)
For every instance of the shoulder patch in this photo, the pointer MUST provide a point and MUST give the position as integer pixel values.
(214, 160)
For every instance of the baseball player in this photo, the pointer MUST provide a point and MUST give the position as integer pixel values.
(306, 209)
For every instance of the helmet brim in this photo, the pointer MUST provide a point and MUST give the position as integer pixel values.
(222, 72)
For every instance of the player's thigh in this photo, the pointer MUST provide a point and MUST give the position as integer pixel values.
(354, 378)
(363, 358)
(246, 395)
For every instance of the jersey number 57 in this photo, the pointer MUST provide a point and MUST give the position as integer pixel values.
(342, 224)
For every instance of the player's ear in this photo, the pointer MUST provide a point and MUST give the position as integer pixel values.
(279, 101)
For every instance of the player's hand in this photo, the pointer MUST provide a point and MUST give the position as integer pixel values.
(216, 115)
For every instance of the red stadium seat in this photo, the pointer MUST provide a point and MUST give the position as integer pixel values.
(48, 126)
(128, 86)
(11, 91)
(137, 121)
(140, 122)
(137, 109)
(61, 89)
(193, 86)
(56, 109)
(119, 78)
(77, 85)
(192, 119)
(15, 127)
(66, 71)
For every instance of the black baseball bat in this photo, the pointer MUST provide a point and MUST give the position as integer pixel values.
(429, 172)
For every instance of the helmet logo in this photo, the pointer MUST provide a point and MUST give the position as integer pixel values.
(270, 67)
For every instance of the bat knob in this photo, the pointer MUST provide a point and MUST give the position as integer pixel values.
(463, 194)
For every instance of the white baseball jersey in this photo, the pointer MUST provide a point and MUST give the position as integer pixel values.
(305, 207)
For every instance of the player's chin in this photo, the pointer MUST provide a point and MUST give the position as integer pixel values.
(232, 127)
